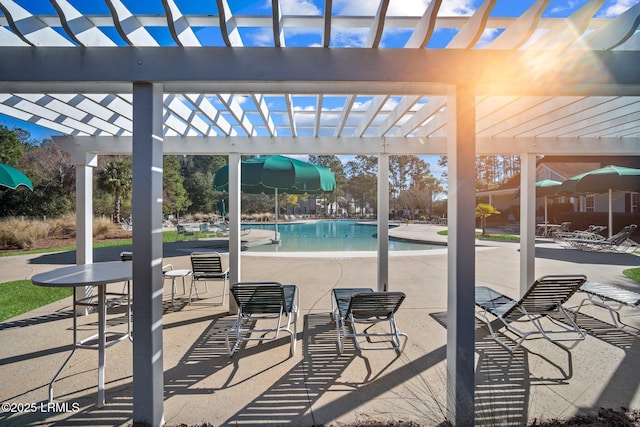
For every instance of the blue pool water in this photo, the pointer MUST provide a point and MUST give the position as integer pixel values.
(329, 236)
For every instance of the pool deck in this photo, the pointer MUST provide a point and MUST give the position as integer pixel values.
(262, 385)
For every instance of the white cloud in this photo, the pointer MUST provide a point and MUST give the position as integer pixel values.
(299, 7)
(488, 35)
(407, 7)
(262, 37)
(355, 8)
(571, 4)
(402, 7)
(361, 106)
(456, 8)
(305, 108)
(618, 7)
(354, 37)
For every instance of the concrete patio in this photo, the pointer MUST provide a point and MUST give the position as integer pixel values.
(261, 385)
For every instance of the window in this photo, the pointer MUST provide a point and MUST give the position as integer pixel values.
(590, 203)
(635, 202)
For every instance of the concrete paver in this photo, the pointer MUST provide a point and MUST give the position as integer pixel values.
(262, 385)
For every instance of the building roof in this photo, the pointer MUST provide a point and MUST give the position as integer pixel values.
(567, 167)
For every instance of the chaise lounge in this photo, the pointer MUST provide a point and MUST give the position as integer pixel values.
(364, 306)
(262, 300)
(545, 297)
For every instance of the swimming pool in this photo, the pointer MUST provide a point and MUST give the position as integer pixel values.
(330, 236)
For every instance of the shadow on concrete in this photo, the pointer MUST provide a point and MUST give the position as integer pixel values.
(60, 315)
(503, 380)
(625, 381)
(587, 257)
(301, 397)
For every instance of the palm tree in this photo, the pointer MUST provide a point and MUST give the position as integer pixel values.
(483, 211)
(116, 178)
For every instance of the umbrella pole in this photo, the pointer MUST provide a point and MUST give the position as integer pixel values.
(610, 212)
(545, 216)
(275, 237)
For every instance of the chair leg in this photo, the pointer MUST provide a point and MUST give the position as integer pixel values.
(338, 327)
(224, 289)
(193, 284)
(294, 335)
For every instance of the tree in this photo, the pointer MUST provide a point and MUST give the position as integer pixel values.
(51, 173)
(10, 147)
(334, 164)
(434, 187)
(483, 211)
(174, 195)
(116, 178)
(362, 186)
(198, 172)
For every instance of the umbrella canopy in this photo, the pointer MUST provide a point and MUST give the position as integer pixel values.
(12, 178)
(601, 180)
(271, 173)
(607, 179)
(278, 173)
(544, 188)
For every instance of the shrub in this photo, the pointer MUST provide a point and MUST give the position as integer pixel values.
(20, 233)
(101, 226)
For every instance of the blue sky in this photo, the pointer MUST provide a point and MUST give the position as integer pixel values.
(344, 37)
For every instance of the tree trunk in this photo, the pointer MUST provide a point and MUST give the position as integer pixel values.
(116, 206)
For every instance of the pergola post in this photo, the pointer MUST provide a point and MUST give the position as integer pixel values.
(234, 223)
(527, 220)
(461, 255)
(383, 222)
(85, 162)
(148, 378)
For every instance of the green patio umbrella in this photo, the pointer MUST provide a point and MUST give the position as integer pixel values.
(271, 174)
(12, 178)
(544, 188)
(607, 179)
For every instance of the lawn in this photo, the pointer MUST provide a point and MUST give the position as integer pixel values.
(21, 296)
(633, 273)
(489, 236)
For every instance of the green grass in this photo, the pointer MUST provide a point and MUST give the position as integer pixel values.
(167, 236)
(632, 273)
(21, 296)
(492, 237)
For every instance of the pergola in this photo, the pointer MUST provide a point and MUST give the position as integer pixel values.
(177, 83)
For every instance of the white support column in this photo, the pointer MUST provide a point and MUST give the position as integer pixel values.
(527, 220)
(148, 378)
(461, 255)
(234, 224)
(383, 222)
(85, 162)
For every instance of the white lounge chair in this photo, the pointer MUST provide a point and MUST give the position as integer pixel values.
(619, 242)
(613, 299)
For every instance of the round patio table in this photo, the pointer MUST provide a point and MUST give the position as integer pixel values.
(173, 274)
(98, 274)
